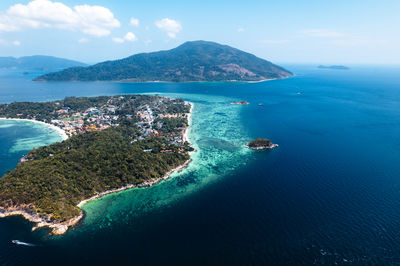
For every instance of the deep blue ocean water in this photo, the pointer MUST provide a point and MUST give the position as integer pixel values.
(330, 193)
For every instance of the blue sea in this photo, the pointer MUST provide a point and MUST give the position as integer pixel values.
(329, 194)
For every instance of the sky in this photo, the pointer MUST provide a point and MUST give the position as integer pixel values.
(284, 31)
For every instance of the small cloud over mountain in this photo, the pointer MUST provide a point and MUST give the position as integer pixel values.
(170, 26)
(129, 37)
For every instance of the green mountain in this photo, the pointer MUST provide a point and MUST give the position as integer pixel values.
(191, 61)
(38, 62)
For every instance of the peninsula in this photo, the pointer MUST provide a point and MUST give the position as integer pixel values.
(115, 143)
(196, 61)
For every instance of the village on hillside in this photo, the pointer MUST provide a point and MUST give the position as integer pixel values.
(157, 116)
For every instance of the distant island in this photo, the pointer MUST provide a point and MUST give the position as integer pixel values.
(115, 143)
(338, 67)
(38, 62)
(261, 144)
(241, 103)
(190, 62)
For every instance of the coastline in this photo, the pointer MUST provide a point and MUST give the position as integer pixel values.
(264, 80)
(263, 147)
(193, 81)
(59, 228)
(144, 184)
(61, 132)
(189, 118)
(154, 181)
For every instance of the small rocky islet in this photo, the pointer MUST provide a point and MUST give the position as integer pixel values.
(261, 144)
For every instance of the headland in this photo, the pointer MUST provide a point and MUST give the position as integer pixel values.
(115, 143)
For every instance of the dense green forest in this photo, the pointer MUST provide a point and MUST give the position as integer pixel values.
(172, 125)
(44, 111)
(55, 178)
(127, 104)
(63, 174)
(191, 61)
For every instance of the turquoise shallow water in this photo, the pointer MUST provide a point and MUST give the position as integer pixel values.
(220, 148)
(19, 137)
(329, 194)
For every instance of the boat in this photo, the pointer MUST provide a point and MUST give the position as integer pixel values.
(17, 242)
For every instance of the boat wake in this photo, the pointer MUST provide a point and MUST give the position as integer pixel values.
(17, 242)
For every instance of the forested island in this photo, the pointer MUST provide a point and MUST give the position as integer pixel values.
(38, 62)
(189, 62)
(261, 144)
(115, 143)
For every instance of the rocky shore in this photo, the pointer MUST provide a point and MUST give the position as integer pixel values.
(264, 147)
(261, 144)
(57, 228)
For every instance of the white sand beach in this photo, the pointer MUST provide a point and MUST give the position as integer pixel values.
(61, 132)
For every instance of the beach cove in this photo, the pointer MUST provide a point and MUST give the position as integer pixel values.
(19, 137)
(61, 132)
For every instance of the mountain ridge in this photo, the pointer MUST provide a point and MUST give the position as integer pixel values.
(190, 62)
(38, 62)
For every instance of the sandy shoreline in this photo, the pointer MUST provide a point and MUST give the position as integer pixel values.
(201, 81)
(61, 132)
(61, 228)
(144, 184)
(189, 117)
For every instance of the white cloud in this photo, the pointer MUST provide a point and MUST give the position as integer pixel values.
(321, 33)
(170, 26)
(147, 42)
(130, 37)
(273, 41)
(359, 42)
(240, 29)
(16, 43)
(118, 40)
(92, 20)
(83, 40)
(134, 22)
